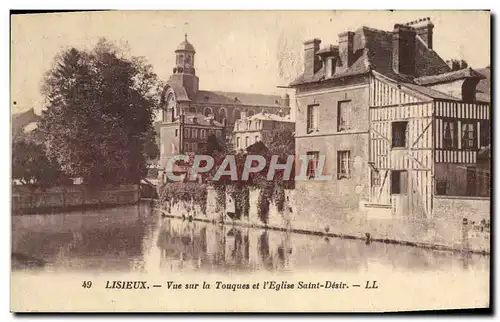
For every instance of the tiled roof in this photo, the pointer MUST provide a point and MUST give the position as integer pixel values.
(236, 98)
(373, 51)
(483, 89)
(23, 119)
(484, 85)
(180, 92)
(418, 89)
(269, 117)
(200, 120)
(432, 93)
(449, 77)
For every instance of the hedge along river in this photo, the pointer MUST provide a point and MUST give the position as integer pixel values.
(138, 239)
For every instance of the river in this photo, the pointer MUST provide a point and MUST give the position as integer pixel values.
(137, 239)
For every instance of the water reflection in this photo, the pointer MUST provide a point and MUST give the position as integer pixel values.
(138, 239)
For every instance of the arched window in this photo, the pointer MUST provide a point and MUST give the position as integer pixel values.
(207, 111)
(237, 114)
(222, 115)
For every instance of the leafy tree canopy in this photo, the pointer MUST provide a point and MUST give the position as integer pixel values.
(30, 165)
(100, 107)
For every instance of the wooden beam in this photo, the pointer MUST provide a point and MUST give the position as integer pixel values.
(383, 137)
(421, 134)
(382, 185)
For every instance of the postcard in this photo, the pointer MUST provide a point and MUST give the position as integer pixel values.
(250, 161)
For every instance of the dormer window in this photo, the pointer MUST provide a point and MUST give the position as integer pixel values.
(330, 67)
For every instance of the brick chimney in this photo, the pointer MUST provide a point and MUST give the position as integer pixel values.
(312, 63)
(346, 52)
(403, 49)
(424, 28)
(425, 32)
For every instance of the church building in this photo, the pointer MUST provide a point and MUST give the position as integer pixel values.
(190, 113)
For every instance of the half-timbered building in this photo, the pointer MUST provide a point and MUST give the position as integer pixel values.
(396, 125)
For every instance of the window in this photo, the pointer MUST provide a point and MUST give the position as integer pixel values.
(256, 138)
(203, 133)
(441, 187)
(218, 133)
(469, 134)
(375, 177)
(399, 182)
(186, 133)
(312, 165)
(344, 116)
(343, 164)
(186, 147)
(485, 133)
(450, 138)
(238, 142)
(399, 134)
(222, 115)
(176, 132)
(194, 133)
(180, 59)
(247, 141)
(330, 67)
(237, 114)
(312, 118)
(207, 111)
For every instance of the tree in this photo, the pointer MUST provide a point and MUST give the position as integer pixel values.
(30, 165)
(100, 109)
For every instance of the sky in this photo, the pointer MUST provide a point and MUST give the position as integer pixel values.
(244, 51)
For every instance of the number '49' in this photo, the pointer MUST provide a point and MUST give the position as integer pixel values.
(87, 284)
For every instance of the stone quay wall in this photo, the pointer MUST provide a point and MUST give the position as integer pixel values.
(28, 200)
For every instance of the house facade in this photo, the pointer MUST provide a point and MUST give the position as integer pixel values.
(396, 126)
(257, 128)
(188, 134)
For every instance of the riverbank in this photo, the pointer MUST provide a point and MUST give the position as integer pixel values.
(35, 200)
(367, 237)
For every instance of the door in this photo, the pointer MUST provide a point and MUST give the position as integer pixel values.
(399, 193)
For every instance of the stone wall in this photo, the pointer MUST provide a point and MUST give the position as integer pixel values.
(33, 200)
(446, 229)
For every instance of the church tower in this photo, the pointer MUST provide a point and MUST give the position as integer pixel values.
(184, 73)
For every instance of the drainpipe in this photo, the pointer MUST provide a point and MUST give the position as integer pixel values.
(181, 133)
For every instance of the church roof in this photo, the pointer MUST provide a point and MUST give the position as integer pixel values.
(185, 46)
(237, 98)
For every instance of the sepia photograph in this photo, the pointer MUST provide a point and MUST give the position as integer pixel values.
(250, 161)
